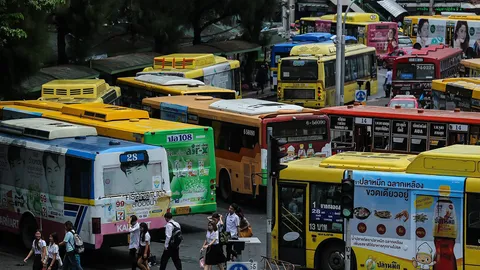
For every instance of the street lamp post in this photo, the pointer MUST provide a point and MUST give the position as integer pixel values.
(344, 22)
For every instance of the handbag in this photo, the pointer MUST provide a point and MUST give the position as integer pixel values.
(246, 232)
(201, 261)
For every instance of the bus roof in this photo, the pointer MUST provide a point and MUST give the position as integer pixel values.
(368, 161)
(471, 63)
(312, 37)
(354, 17)
(190, 88)
(435, 52)
(168, 80)
(202, 105)
(308, 170)
(455, 85)
(46, 129)
(453, 17)
(454, 160)
(74, 88)
(421, 115)
(325, 49)
(187, 61)
(125, 122)
(87, 147)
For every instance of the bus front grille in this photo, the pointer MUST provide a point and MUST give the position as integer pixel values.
(299, 94)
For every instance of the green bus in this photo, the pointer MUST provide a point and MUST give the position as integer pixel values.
(190, 148)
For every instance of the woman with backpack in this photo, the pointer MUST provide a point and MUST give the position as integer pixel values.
(39, 249)
(213, 249)
(71, 259)
(144, 249)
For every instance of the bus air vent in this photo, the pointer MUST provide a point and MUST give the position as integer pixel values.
(104, 112)
(47, 129)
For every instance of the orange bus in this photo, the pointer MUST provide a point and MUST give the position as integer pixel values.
(399, 130)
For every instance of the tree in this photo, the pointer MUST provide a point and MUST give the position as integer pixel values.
(79, 20)
(23, 40)
(204, 13)
(252, 20)
(12, 14)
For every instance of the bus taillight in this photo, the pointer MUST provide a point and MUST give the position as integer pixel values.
(96, 225)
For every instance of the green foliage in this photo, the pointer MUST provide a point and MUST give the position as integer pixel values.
(12, 14)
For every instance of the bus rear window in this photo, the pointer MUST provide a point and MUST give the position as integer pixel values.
(415, 71)
(131, 177)
(299, 70)
(224, 95)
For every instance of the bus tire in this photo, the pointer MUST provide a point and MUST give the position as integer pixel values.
(225, 186)
(28, 226)
(330, 256)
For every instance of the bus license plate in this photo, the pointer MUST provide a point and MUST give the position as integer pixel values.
(184, 210)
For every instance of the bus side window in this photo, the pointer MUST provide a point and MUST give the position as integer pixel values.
(78, 177)
(473, 219)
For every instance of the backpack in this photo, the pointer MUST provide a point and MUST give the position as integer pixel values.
(79, 248)
(176, 238)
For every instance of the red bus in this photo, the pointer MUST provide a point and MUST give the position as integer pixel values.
(399, 130)
(413, 74)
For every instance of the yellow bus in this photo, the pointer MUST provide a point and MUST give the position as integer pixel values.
(456, 93)
(307, 77)
(240, 134)
(470, 68)
(410, 212)
(135, 89)
(190, 148)
(453, 30)
(81, 91)
(365, 27)
(211, 69)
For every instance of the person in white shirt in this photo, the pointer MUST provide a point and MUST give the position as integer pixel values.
(388, 82)
(39, 249)
(170, 252)
(144, 247)
(214, 251)
(134, 230)
(53, 260)
(232, 223)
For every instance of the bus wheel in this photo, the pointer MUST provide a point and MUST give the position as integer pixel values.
(332, 257)
(225, 187)
(28, 226)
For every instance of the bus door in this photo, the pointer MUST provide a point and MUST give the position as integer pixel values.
(341, 129)
(457, 134)
(472, 229)
(292, 223)
(363, 134)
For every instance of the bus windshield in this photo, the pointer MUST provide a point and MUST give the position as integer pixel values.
(295, 70)
(408, 71)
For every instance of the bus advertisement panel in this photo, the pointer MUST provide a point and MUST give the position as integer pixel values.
(383, 37)
(431, 32)
(394, 211)
(323, 26)
(91, 182)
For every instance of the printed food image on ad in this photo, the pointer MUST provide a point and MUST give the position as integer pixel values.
(396, 226)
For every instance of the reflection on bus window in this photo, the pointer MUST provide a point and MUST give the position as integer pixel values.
(473, 219)
(399, 144)
(418, 145)
(381, 142)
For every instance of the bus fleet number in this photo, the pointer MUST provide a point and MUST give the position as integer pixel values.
(132, 157)
(180, 138)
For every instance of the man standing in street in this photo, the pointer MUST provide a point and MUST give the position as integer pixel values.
(388, 82)
(172, 243)
(232, 222)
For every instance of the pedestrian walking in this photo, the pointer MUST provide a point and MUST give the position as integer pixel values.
(53, 260)
(144, 247)
(39, 250)
(134, 229)
(261, 77)
(174, 237)
(213, 250)
(388, 82)
(218, 221)
(71, 260)
(232, 227)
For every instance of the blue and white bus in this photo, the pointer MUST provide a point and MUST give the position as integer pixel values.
(52, 172)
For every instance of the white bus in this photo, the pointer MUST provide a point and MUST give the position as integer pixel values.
(52, 172)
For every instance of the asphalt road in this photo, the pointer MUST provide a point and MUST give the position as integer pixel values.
(193, 227)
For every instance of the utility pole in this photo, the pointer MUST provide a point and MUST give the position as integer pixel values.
(431, 7)
(285, 17)
(291, 14)
(269, 192)
(338, 63)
